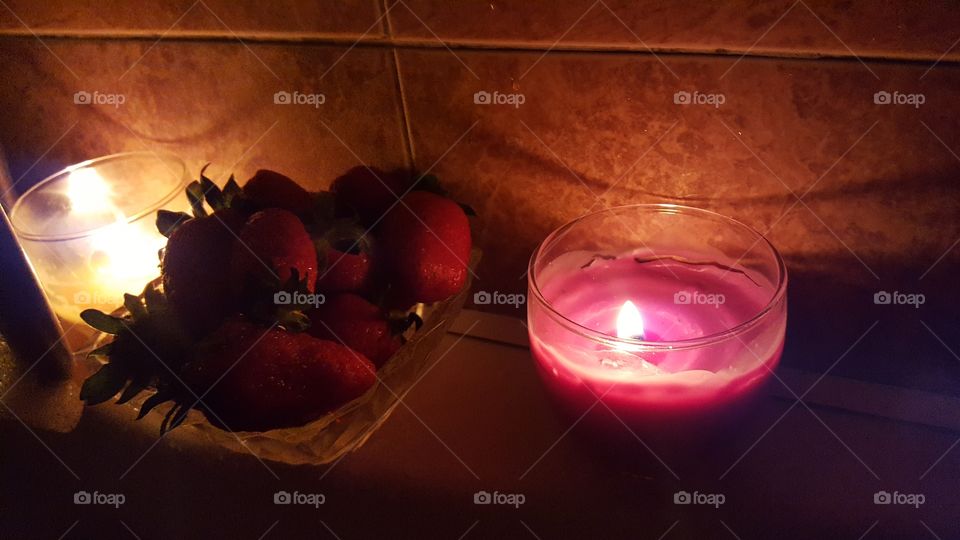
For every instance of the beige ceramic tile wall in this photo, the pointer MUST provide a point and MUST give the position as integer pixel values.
(879, 28)
(172, 18)
(206, 101)
(604, 129)
(882, 179)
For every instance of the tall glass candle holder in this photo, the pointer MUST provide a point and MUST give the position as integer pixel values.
(669, 317)
(89, 230)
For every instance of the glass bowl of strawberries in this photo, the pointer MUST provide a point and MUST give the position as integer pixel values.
(288, 323)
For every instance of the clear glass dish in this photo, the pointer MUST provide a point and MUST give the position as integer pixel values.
(331, 436)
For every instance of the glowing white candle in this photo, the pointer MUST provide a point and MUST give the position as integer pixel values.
(90, 230)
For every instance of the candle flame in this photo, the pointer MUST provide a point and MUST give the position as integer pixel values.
(629, 322)
(125, 255)
(88, 192)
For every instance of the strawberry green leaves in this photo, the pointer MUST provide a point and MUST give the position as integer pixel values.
(283, 304)
(206, 191)
(104, 384)
(401, 321)
(102, 322)
(293, 320)
(211, 193)
(121, 372)
(135, 306)
(467, 209)
(232, 193)
(431, 184)
(195, 196)
(220, 199)
(200, 192)
(168, 221)
(175, 416)
(178, 411)
(147, 347)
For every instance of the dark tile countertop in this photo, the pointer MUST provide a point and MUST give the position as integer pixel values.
(479, 421)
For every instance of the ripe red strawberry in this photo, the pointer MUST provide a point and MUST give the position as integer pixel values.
(344, 272)
(193, 269)
(269, 189)
(271, 245)
(360, 325)
(425, 244)
(272, 378)
(345, 258)
(369, 191)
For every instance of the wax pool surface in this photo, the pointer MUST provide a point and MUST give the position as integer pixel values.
(677, 301)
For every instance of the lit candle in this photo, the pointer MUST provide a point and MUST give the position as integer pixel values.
(122, 256)
(90, 230)
(667, 329)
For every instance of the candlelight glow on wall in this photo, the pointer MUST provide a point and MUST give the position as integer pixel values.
(90, 231)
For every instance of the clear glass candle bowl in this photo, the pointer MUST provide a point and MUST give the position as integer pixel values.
(89, 230)
(669, 317)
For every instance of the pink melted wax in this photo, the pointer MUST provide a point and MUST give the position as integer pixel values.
(638, 384)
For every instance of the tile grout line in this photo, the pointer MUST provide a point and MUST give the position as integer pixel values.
(406, 130)
(404, 112)
(388, 41)
(380, 6)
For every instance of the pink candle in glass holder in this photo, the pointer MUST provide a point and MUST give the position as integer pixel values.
(668, 316)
